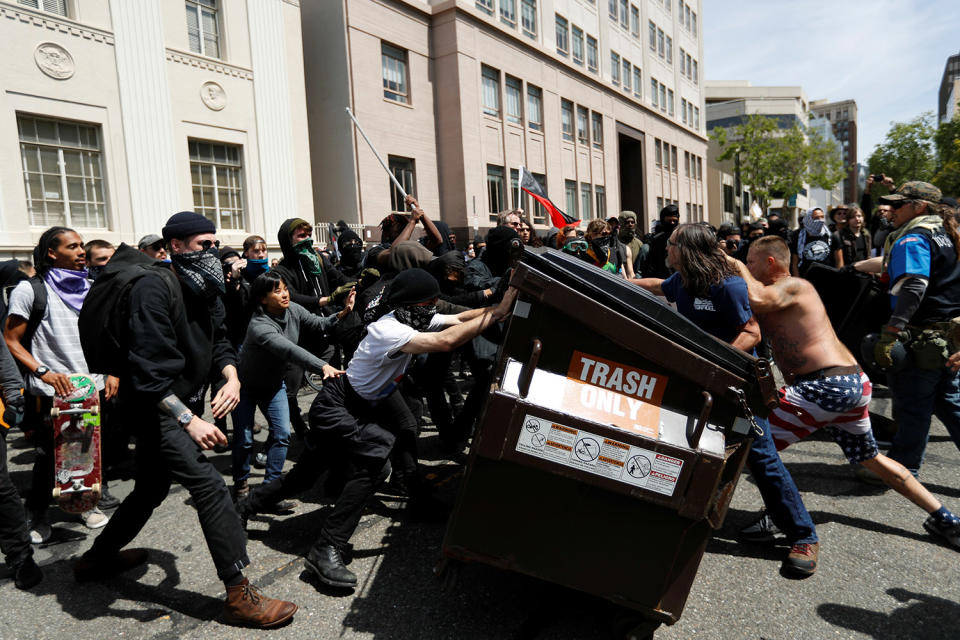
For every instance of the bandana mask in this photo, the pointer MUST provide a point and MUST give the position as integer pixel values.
(813, 227)
(308, 257)
(416, 316)
(72, 286)
(256, 266)
(201, 271)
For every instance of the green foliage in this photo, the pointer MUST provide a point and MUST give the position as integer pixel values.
(947, 141)
(907, 151)
(774, 160)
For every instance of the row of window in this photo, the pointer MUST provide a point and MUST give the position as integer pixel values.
(692, 209)
(573, 42)
(688, 67)
(583, 208)
(666, 156)
(513, 88)
(661, 97)
(508, 14)
(590, 201)
(628, 18)
(63, 175)
(617, 79)
(689, 113)
(688, 19)
(660, 43)
(589, 124)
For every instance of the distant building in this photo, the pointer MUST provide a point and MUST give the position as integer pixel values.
(601, 101)
(843, 116)
(728, 104)
(949, 89)
(828, 198)
(116, 114)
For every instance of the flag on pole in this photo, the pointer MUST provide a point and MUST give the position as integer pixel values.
(529, 184)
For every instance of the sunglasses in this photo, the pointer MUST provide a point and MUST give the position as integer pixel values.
(206, 244)
(900, 203)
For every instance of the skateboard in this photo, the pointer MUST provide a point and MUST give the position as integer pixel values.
(76, 446)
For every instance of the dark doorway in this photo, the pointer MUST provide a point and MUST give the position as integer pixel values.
(630, 151)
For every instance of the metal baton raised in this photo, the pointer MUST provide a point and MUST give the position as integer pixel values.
(372, 148)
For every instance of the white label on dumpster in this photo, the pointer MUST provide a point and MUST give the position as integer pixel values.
(598, 455)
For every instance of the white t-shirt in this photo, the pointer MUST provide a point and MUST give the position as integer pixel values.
(56, 343)
(378, 364)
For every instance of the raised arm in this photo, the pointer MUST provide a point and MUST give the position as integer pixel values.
(766, 298)
(653, 285)
(456, 335)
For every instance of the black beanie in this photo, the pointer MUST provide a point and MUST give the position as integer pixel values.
(226, 252)
(412, 286)
(669, 210)
(185, 224)
(500, 237)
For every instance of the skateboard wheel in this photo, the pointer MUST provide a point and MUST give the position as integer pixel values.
(56, 493)
(95, 409)
(95, 487)
(55, 412)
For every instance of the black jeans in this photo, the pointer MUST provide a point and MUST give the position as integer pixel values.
(14, 535)
(362, 477)
(165, 452)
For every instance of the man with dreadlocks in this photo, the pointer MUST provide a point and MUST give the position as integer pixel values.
(397, 227)
(354, 419)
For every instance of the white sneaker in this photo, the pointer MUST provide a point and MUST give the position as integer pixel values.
(40, 531)
(94, 519)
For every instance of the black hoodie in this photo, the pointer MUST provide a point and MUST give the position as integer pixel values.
(306, 289)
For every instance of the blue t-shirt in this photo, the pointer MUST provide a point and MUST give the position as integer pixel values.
(910, 255)
(721, 314)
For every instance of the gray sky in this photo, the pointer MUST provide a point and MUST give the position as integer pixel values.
(887, 55)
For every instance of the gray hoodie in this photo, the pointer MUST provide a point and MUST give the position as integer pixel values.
(271, 343)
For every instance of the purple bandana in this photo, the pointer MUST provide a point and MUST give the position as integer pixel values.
(72, 286)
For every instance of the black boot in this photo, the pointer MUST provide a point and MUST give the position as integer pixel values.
(327, 562)
(27, 574)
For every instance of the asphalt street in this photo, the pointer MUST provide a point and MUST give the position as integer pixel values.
(881, 575)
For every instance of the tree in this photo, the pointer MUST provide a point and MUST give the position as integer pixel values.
(907, 151)
(947, 141)
(777, 161)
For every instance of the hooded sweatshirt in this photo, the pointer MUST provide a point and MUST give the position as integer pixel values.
(306, 289)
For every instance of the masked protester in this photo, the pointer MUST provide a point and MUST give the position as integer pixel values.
(503, 247)
(813, 242)
(350, 247)
(601, 252)
(657, 261)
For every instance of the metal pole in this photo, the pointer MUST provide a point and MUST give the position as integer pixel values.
(396, 183)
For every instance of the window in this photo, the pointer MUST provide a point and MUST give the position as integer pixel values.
(686, 164)
(216, 178)
(566, 119)
(660, 203)
(683, 110)
(58, 7)
(583, 133)
(637, 80)
(597, 121)
(635, 21)
(202, 30)
(661, 45)
(612, 8)
(728, 205)
(614, 67)
(695, 73)
(563, 36)
(626, 76)
(403, 170)
(491, 91)
(669, 50)
(652, 36)
(696, 118)
(571, 192)
(663, 97)
(700, 171)
(690, 113)
(62, 172)
(539, 211)
(578, 45)
(693, 22)
(657, 153)
(534, 108)
(670, 101)
(592, 53)
(586, 200)
(624, 14)
(683, 62)
(653, 91)
(393, 67)
(496, 201)
(673, 160)
(528, 17)
(686, 10)
(514, 101)
(601, 202)
(666, 157)
(508, 12)
(689, 67)
(667, 6)
(516, 192)
(485, 5)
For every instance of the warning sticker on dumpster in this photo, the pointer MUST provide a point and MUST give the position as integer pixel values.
(606, 457)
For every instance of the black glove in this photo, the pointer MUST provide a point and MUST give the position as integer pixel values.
(13, 411)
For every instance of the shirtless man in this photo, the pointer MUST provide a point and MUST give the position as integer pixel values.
(825, 387)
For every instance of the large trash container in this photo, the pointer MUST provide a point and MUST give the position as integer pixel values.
(610, 443)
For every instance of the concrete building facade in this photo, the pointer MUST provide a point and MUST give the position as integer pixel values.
(115, 114)
(949, 96)
(601, 101)
(728, 104)
(842, 115)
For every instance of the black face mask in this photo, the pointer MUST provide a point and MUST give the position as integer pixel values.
(600, 245)
(93, 272)
(351, 254)
(416, 316)
(668, 227)
(733, 245)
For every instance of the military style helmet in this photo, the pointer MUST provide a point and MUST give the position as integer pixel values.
(899, 354)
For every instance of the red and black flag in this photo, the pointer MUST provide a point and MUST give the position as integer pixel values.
(529, 184)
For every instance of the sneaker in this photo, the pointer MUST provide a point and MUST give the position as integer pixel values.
(108, 501)
(949, 532)
(94, 519)
(763, 530)
(326, 561)
(260, 461)
(40, 531)
(802, 559)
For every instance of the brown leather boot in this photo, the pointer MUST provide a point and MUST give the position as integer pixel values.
(247, 607)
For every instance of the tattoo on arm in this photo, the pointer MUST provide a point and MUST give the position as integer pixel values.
(173, 406)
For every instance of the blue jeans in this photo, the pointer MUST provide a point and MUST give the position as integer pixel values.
(780, 495)
(274, 406)
(919, 394)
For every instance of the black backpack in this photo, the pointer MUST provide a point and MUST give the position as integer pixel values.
(10, 277)
(105, 314)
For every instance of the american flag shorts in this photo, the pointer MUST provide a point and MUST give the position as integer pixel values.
(839, 402)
